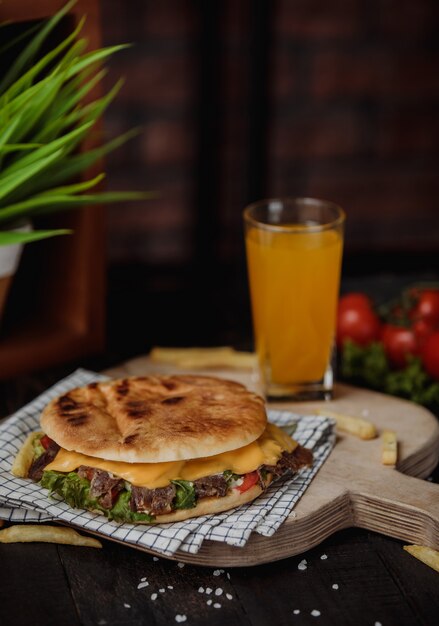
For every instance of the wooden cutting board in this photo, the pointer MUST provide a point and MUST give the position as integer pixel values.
(352, 488)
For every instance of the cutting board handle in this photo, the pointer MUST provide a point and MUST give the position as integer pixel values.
(403, 507)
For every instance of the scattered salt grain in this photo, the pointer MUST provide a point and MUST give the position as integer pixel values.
(217, 572)
(180, 618)
(180, 565)
(218, 591)
(208, 591)
(209, 602)
(143, 579)
(143, 584)
(378, 624)
(335, 586)
(228, 575)
(155, 558)
(324, 557)
(170, 587)
(153, 596)
(200, 589)
(162, 590)
(127, 606)
(229, 596)
(302, 565)
(217, 605)
(315, 613)
(296, 611)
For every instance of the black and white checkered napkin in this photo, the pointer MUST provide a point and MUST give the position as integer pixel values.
(22, 500)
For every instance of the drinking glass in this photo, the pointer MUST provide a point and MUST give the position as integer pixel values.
(294, 252)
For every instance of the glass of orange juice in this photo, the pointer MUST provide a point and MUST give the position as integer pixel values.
(294, 252)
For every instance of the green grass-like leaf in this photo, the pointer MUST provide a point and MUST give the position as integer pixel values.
(44, 118)
(65, 142)
(74, 165)
(94, 57)
(10, 237)
(46, 204)
(63, 112)
(27, 79)
(9, 182)
(75, 188)
(18, 147)
(31, 50)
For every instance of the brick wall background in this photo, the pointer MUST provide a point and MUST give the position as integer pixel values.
(243, 99)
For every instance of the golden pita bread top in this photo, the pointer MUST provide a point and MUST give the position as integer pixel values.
(155, 419)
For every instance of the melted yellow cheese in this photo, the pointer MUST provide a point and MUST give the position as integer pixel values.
(264, 451)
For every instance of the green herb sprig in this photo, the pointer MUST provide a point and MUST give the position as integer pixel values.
(185, 497)
(369, 366)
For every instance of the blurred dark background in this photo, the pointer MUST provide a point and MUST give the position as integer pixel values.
(245, 99)
(236, 100)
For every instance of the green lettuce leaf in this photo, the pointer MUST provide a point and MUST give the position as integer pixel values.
(121, 511)
(76, 492)
(72, 488)
(52, 481)
(229, 476)
(38, 448)
(185, 497)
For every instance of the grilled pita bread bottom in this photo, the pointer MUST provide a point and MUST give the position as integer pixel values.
(210, 506)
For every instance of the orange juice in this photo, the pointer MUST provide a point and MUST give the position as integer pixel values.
(294, 280)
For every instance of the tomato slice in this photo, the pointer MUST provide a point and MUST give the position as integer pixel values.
(249, 480)
(45, 441)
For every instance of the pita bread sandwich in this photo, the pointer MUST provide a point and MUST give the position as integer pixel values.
(158, 448)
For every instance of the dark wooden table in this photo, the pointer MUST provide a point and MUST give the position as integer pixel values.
(354, 577)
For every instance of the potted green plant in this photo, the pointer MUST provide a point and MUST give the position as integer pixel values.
(45, 115)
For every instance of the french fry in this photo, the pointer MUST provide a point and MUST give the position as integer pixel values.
(389, 448)
(354, 425)
(47, 534)
(427, 555)
(195, 358)
(24, 458)
(175, 355)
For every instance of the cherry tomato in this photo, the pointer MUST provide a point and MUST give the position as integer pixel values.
(422, 329)
(430, 355)
(45, 441)
(427, 307)
(357, 321)
(354, 300)
(249, 480)
(398, 343)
